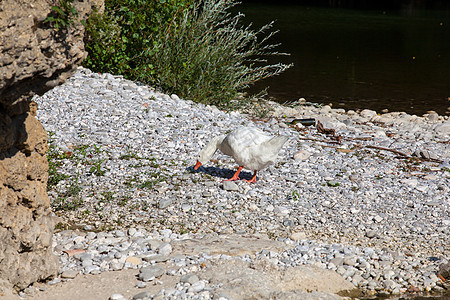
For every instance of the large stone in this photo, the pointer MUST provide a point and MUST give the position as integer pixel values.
(263, 280)
(314, 279)
(26, 225)
(442, 128)
(444, 270)
(34, 57)
(232, 245)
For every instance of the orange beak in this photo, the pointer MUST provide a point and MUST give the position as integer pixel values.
(197, 165)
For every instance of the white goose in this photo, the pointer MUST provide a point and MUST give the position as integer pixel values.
(250, 147)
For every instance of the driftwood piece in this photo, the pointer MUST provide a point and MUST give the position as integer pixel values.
(388, 149)
(336, 139)
(404, 155)
(327, 131)
(317, 140)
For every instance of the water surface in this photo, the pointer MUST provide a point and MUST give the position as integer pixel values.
(395, 60)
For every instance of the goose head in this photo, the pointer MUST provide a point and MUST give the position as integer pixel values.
(206, 153)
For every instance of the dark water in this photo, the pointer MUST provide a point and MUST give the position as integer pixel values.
(376, 59)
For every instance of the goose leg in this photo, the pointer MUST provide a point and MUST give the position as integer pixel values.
(253, 180)
(236, 175)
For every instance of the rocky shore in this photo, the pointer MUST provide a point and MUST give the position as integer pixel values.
(361, 206)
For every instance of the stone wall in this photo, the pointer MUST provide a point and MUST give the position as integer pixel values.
(34, 57)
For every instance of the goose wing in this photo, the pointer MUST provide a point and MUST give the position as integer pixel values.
(246, 137)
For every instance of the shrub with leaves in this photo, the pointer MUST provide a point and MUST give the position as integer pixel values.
(199, 51)
(116, 39)
(207, 55)
(107, 51)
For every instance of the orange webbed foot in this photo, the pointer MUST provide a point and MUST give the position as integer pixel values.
(236, 175)
(253, 180)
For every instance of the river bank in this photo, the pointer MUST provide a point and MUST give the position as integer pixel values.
(368, 202)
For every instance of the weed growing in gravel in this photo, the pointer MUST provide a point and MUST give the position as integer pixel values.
(122, 201)
(152, 161)
(108, 195)
(96, 168)
(69, 198)
(54, 157)
(183, 229)
(295, 195)
(155, 178)
(129, 156)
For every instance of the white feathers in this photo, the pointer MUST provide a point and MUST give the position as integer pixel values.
(249, 146)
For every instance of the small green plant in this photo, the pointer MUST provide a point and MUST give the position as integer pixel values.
(138, 165)
(62, 15)
(54, 155)
(130, 181)
(150, 184)
(129, 156)
(97, 149)
(108, 195)
(69, 200)
(81, 152)
(122, 201)
(96, 168)
(333, 184)
(295, 195)
(183, 229)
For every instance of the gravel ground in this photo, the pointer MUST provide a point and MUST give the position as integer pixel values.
(369, 200)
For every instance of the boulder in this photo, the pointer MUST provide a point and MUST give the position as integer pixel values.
(264, 280)
(34, 57)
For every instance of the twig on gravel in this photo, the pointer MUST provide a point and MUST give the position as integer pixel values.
(388, 149)
(321, 141)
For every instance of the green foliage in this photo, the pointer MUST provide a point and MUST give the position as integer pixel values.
(207, 55)
(116, 39)
(295, 195)
(62, 15)
(54, 155)
(107, 51)
(70, 199)
(196, 49)
(68, 196)
(109, 195)
(96, 167)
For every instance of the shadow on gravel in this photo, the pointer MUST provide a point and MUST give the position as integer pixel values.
(220, 173)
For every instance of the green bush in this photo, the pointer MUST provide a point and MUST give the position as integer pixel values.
(116, 39)
(107, 53)
(207, 55)
(198, 51)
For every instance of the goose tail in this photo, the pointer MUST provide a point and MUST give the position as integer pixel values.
(277, 142)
